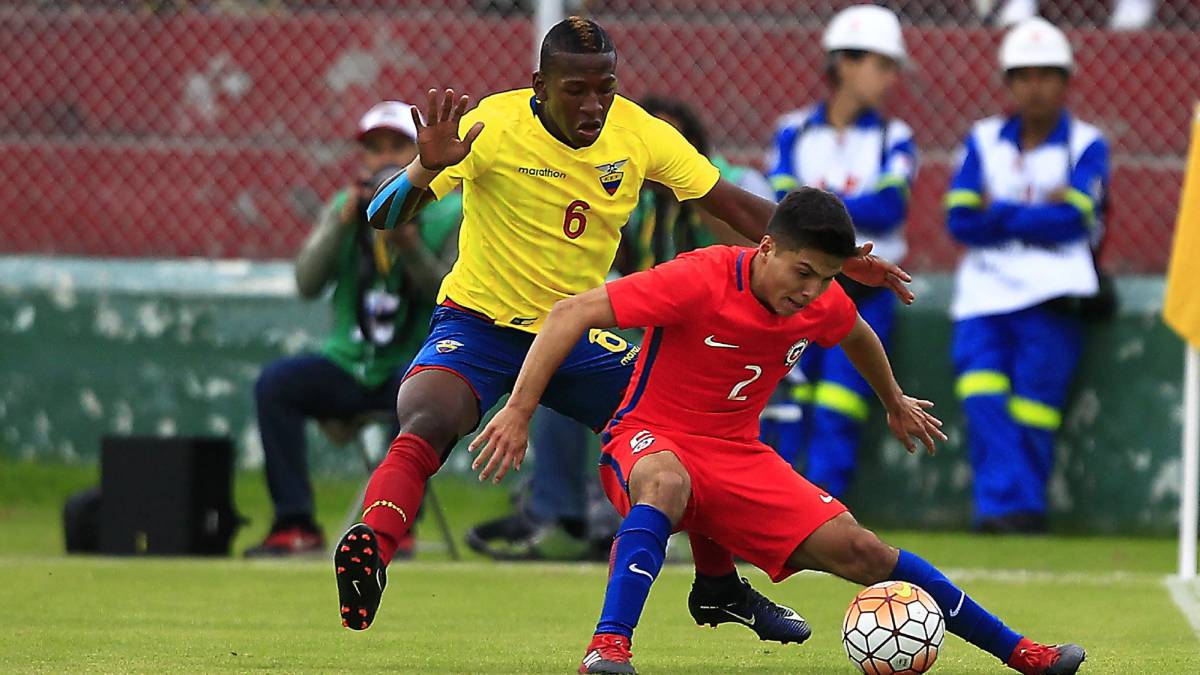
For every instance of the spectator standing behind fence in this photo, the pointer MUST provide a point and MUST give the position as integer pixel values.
(847, 145)
(1126, 14)
(1027, 202)
(384, 285)
(659, 228)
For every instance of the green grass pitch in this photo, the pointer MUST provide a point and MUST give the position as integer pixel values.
(81, 614)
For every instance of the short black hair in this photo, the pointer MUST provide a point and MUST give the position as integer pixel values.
(574, 35)
(692, 128)
(831, 61)
(815, 219)
(1062, 72)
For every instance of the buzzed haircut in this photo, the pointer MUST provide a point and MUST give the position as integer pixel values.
(814, 219)
(575, 35)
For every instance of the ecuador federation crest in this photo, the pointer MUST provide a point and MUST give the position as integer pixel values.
(611, 175)
(795, 352)
(447, 346)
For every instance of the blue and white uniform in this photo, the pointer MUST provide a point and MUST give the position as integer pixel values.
(870, 165)
(1029, 218)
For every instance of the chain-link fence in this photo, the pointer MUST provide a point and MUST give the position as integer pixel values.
(217, 128)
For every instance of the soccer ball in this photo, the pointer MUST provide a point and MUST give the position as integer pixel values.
(893, 628)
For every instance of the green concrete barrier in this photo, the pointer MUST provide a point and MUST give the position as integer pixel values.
(93, 347)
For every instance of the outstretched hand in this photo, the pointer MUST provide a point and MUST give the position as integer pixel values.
(501, 444)
(438, 144)
(910, 422)
(871, 270)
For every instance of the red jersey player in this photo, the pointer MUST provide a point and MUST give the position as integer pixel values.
(725, 324)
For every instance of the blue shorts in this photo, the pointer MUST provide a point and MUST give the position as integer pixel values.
(588, 386)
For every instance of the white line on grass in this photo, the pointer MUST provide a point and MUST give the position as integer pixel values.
(1043, 576)
(305, 565)
(1190, 595)
(1011, 576)
(1186, 595)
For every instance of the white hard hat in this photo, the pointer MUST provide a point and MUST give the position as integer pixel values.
(1035, 42)
(869, 28)
(392, 115)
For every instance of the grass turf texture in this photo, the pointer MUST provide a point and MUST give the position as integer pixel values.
(103, 614)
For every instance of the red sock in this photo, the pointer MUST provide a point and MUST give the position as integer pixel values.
(711, 559)
(396, 490)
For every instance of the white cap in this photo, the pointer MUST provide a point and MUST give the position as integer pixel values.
(1035, 42)
(394, 115)
(868, 28)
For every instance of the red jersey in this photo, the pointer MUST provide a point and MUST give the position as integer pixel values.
(713, 353)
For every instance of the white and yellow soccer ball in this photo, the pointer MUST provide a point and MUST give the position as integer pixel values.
(893, 628)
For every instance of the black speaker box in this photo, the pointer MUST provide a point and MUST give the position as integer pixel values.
(166, 496)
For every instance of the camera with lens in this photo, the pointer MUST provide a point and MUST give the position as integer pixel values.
(371, 185)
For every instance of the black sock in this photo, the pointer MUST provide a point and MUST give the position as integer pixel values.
(728, 586)
(574, 526)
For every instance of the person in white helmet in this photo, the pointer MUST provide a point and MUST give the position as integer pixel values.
(1027, 201)
(1126, 14)
(847, 145)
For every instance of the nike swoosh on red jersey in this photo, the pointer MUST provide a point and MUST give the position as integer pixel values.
(711, 341)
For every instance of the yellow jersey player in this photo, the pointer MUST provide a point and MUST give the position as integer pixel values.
(549, 176)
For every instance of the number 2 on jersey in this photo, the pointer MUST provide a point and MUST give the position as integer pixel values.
(574, 222)
(736, 394)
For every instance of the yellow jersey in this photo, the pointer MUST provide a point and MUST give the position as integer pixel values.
(542, 220)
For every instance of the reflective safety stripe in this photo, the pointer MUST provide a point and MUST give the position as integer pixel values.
(781, 412)
(893, 180)
(968, 198)
(982, 383)
(803, 393)
(1030, 413)
(841, 399)
(782, 182)
(1082, 202)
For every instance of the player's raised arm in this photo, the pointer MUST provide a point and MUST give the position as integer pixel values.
(401, 197)
(908, 417)
(502, 442)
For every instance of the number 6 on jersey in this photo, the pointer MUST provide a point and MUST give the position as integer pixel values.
(574, 221)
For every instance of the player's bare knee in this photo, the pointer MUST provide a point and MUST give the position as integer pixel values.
(853, 557)
(666, 490)
(438, 430)
(437, 406)
(870, 559)
(670, 484)
(662, 483)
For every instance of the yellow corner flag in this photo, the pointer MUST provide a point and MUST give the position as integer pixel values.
(1181, 309)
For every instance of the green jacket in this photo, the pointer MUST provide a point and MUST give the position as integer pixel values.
(407, 284)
